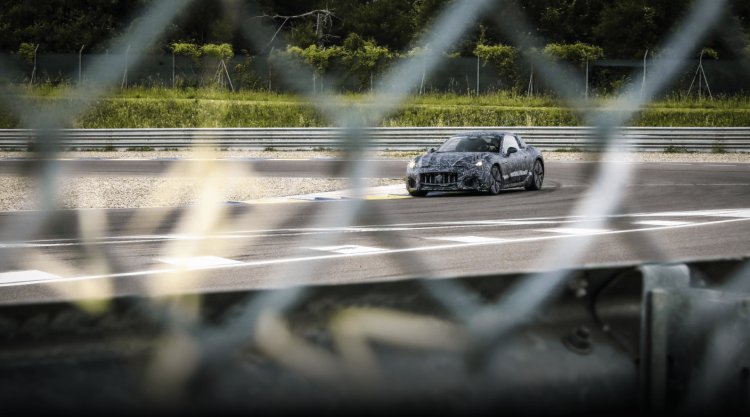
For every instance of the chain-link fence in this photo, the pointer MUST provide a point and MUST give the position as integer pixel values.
(426, 342)
(456, 75)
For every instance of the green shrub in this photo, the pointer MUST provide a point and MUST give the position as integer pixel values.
(676, 149)
(576, 53)
(26, 51)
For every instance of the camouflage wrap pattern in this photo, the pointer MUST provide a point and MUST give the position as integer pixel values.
(462, 171)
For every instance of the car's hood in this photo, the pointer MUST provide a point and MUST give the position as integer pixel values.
(450, 159)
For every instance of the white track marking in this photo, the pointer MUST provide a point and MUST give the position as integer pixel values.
(199, 262)
(742, 213)
(348, 249)
(575, 231)
(270, 262)
(469, 239)
(398, 227)
(528, 222)
(660, 223)
(21, 277)
(738, 213)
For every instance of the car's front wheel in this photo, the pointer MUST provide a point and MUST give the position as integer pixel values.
(415, 193)
(496, 180)
(537, 176)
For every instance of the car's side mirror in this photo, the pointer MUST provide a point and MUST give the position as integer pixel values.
(432, 150)
(512, 150)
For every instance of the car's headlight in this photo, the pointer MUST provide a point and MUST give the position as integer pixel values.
(412, 164)
(479, 163)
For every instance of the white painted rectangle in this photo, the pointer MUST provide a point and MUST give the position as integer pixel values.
(348, 249)
(26, 276)
(661, 223)
(469, 239)
(575, 231)
(197, 262)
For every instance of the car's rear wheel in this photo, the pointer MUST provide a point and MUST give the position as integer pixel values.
(537, 176)
(496, 178)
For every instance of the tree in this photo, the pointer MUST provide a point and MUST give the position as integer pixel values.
(563, 21)
(503, 57)
(189, 50)
(220, 53)
(64, 25)
(26, 51)
(627, 28)
(319, 58)
(364, 59)
(577, 53)
(386, 22)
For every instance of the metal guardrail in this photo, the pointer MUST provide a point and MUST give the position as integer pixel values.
(407, 138)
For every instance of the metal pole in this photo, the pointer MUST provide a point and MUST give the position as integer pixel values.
(530, 91)
(700, 80)
(33, 71)
(124, 83)
(173, 83)
(643, 83)
(79, 63)
(587, 78)
(477, 76)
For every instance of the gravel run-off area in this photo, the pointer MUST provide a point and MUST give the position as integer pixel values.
(22, 193)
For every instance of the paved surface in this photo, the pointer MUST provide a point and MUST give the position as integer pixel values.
(670, 212)
(322, 167)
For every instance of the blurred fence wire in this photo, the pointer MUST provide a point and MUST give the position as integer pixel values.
(478, 328)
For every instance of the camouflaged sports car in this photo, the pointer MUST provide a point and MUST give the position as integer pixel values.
(478, 161)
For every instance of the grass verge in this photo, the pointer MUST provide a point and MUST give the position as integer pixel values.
(159, 107)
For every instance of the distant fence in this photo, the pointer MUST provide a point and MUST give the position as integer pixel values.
(407, 138)
(459, 75)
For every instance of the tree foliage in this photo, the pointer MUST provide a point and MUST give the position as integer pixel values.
(629, 27)
(319, 58)
(64, 25)
(363, 58)
(219, 51)
(189, 50)
(26, 51)
(576, 53)
(503, 56)
(623, 28)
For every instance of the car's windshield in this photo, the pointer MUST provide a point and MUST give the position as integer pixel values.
(471, 144)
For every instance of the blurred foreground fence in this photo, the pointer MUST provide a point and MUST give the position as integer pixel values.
(577, 354)
(546, 138)
(564, 339)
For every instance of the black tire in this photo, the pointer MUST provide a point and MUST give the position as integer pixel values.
(415, 193)
(496, 176)
(537, 176)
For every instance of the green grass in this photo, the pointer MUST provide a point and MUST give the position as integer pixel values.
(181, 108)
(676, 149)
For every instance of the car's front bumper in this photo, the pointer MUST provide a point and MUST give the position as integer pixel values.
(447, 180)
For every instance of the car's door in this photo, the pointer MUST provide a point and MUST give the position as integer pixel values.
(528, 160)
(514, 163)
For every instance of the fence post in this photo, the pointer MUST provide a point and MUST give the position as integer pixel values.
(124, 83)
(33, 71)
(477, 76)
(79, 63)
(587, 78)
(530, 90)
(643, 83)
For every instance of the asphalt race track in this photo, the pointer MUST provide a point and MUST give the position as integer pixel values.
(669, 212)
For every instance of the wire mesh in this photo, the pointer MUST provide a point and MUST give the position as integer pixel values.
(479, 328)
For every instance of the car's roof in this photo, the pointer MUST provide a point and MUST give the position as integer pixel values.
(484, 133)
